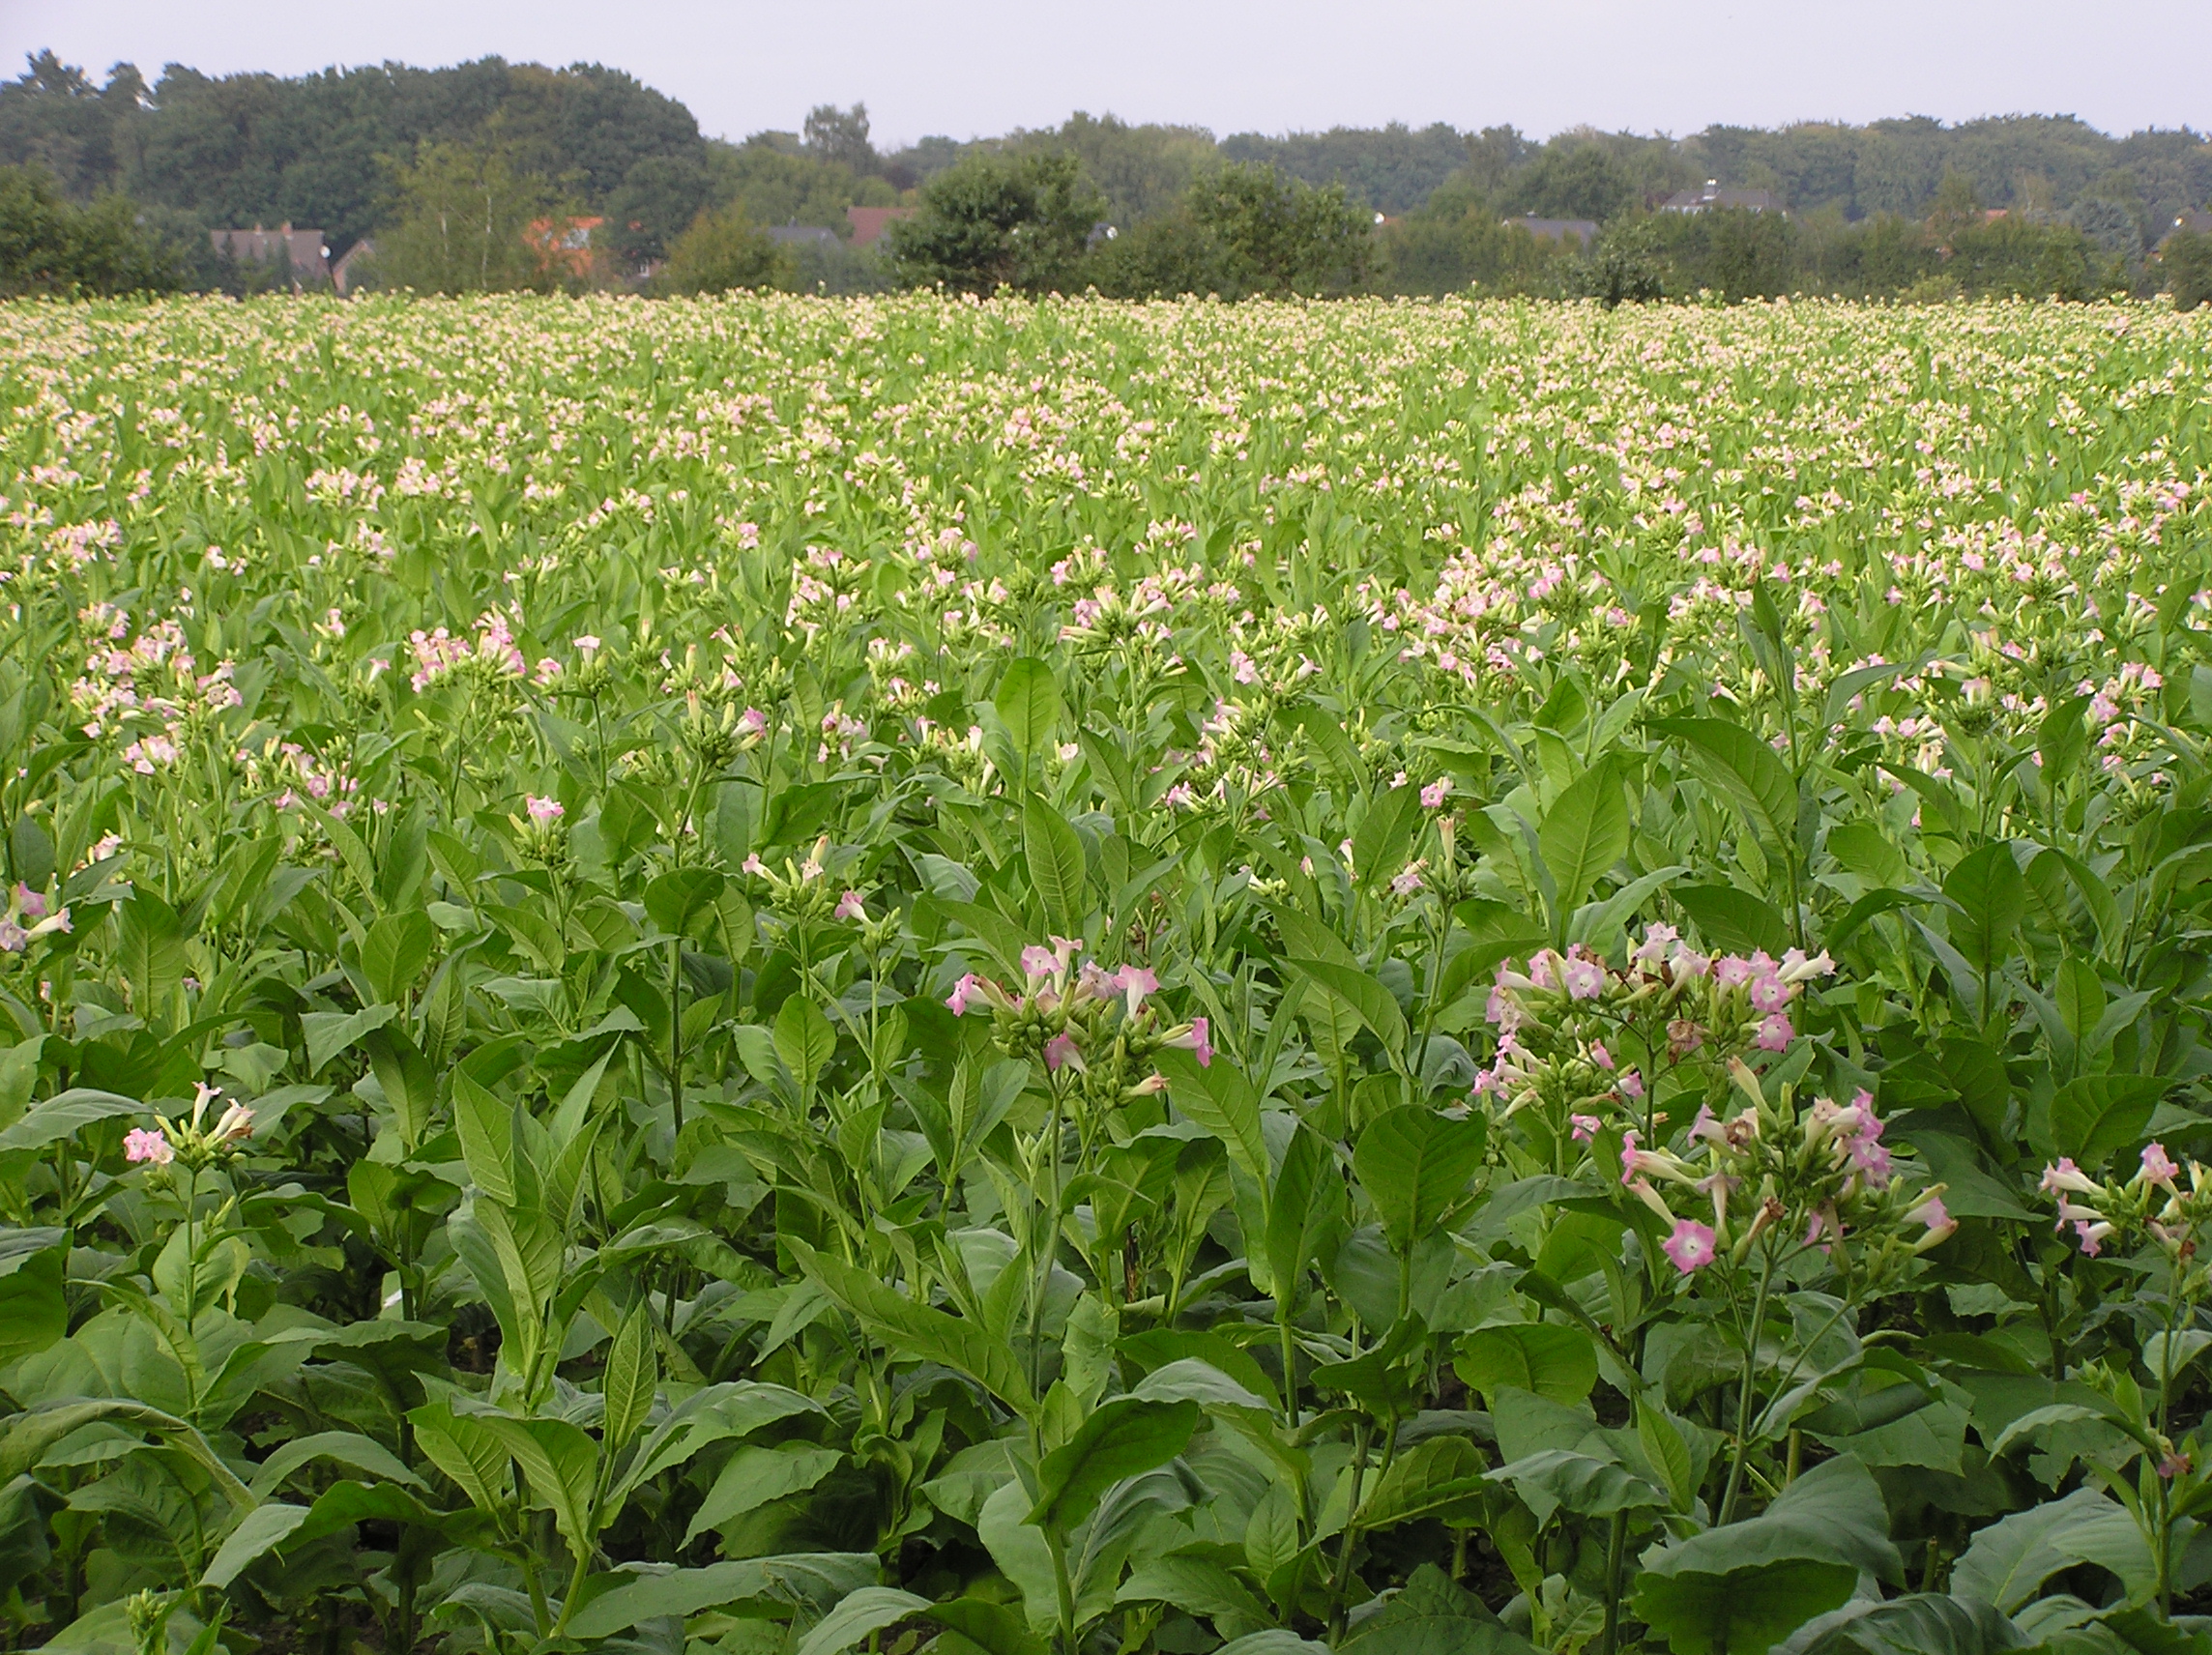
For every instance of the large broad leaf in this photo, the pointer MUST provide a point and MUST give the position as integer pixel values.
(2094, 1117)
(1306, 1191)
(1218, 1098)
(65, 1117)
(1028, 704)
(1384, 835)
(330, 1033)
(1743, 766)
(1560, 1479)
(1433, 1614)
(1584, 833)
(1056, 865)
(1369, 1002)
(33, 1312)
(1438, 1478)
(1738, 1590)
(1554, 1361)
(918, 1331)
(1745, 1611)
(2010, 1559)
(1991, 899)
(806, 1040)
(150, 951)
(1735, 919)
(815, 1579)
(1123, 1438)
(1926, 1623)
(395, 952)
(679, 896)
(753, 1476)
(1414, 1164)
(867, 1610)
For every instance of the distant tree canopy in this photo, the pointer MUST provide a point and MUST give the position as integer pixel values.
(1019, 220)
(1892, 206)
(49, 244)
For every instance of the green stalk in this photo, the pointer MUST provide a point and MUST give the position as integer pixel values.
(1744, 1400)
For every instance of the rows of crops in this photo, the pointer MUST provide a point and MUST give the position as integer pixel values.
(781, 976)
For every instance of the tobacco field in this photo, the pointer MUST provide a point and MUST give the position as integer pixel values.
(783, 977)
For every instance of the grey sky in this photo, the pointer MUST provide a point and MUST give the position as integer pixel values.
(970, 67)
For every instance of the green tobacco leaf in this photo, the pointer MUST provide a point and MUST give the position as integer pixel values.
(813, 1579)
(633, 1377)
(2011, 1558)
(1735, 919)
(676, 897)
(918, 1331)
(1926, 1623)
(330, 1033)
(1743, 766)
(753, 1476)
(1056, 866)
(1554, 1361)
(1744, 1611)
(395, 952)
(1431, 1614)
(1440, 1476)
(1560, 1479)
(1414, 1164)
(1217, 1097)
(1384, 836)
(1028, 704)
(486, 1123)
(2098, 1115)
(806, 1040)
(1123, 1438)
(1371, 1003)
(1584, 833)
(1991, 899)
(65, 1117)
(867, 1610)
(150, 951)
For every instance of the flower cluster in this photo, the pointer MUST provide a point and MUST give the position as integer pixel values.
(195, 1143)
(1817, 1177)
(2151, 1202)
(1095, 1027)
(1577, 1036)
(30, 916)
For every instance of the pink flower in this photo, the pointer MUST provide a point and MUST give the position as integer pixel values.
(1691, 1246)
(32, 905)
(2092, 1236)
(1134, 983)
(1599, 1056)
(753, 866)
(964, 992)
(849, 907)
(2157, 1167)
(1433, 796)
(542, 810)
(140, 1145)
(1631, 1084)
(1585, 979)
(1936, 1217)
(1733, 971)
(1774, 1035)
(1061, 1050)
(1408, 878)
(2068, 1179)
(1769, 994)
(1194, 1037)
(1585, 1127)
(1629, 1157)
(587, 644)
(1038, 961)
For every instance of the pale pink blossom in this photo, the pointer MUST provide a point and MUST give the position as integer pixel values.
(542, 810)
(850, 907)
(1691, 1247)
(141, 1144)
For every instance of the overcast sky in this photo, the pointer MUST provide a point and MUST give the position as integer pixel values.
(972, 67)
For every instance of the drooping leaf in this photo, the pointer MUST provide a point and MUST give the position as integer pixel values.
(1414, 1164)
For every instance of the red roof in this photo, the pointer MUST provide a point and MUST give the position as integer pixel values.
(869, 222)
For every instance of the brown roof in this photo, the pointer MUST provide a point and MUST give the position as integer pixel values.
(306, 250)
(870, 222)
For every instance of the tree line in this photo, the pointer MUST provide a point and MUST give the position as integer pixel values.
(472, 176)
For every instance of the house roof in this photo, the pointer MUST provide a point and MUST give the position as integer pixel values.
(1584, 230)
(341, 267)
(309, 252)
(2193, 224)
(1714, 195)
(869, 222)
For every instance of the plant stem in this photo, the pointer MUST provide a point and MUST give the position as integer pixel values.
(1744, 1400)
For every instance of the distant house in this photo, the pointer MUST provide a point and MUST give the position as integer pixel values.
(566, 244)
(352, 265)
(305, 251)
(803, 236)
(1712, 195)
(2190, 223)
(870, 222)
(1582, 230)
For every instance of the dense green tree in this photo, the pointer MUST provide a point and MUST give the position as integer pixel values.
(774, 185)
(51, 244)
(998, 220)
(725, 250)
(1391, 169)
(2186, 263)
(1574, 181)
(840, 136)
(1282, 235)
(467, 220)
(655, 204)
